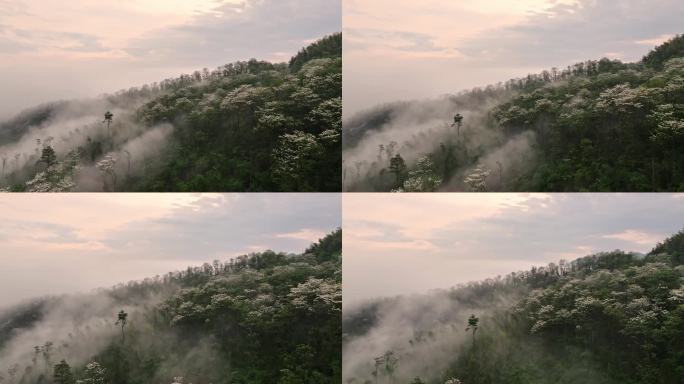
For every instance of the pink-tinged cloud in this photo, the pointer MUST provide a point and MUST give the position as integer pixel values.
(407, 50)
(78, 242)
(410, 243)
(307, 234)
(637, 237)
(52, 50)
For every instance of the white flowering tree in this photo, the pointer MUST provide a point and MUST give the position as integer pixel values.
(295, 158)
(317, 294)
(107, 168)
(57, 177)
(422, 178)
(621, 99)
(477, 179)
(94, 374)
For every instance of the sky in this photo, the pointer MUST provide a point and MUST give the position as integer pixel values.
(407, 49)
(65, 243)
(54, 49)
(398, 244)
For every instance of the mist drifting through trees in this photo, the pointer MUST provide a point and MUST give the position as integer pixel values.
(245, 126)
(594, 126)
(611, 317)
(258, 318)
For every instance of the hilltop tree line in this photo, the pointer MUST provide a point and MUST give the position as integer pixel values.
(265, 127)
(594, 126)
(245, 126)
(612, 317)
(261, 318)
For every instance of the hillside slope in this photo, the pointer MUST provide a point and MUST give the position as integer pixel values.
(245, 126)
(613, 317)
(261, 318)
(594, 126)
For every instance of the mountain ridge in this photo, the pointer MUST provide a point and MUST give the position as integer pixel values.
(262, 317)
(611, 317)
(583, 128)
(235, 128)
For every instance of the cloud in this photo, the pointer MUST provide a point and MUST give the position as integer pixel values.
(77, 242)
(84, 48)
(307, 234)
(656, 40)
(572, 254)
(407, 50)
(588, 29)
(637, 237)
(253, 29)
(13, 7)
(209, 228)
(419, 242)
(398, 43)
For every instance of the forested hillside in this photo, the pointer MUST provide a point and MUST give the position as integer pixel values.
(245, 126)
(261, 318)
(594, 126)
(613, 317)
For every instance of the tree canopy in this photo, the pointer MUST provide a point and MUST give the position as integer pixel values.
(260, 318)
(245, 126)
(612, 317)
(599, 125)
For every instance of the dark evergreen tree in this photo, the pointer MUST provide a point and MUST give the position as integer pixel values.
(122, 320)
(62, 373)
(48, 156)
(398, 168)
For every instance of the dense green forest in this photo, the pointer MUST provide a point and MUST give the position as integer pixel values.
(594, 126)
(261, 318)
(245, 126)
(613, 317)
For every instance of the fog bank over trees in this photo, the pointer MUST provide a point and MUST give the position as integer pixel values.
(245, 126)
(610, 317)
(255, 318)
(598, 125)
